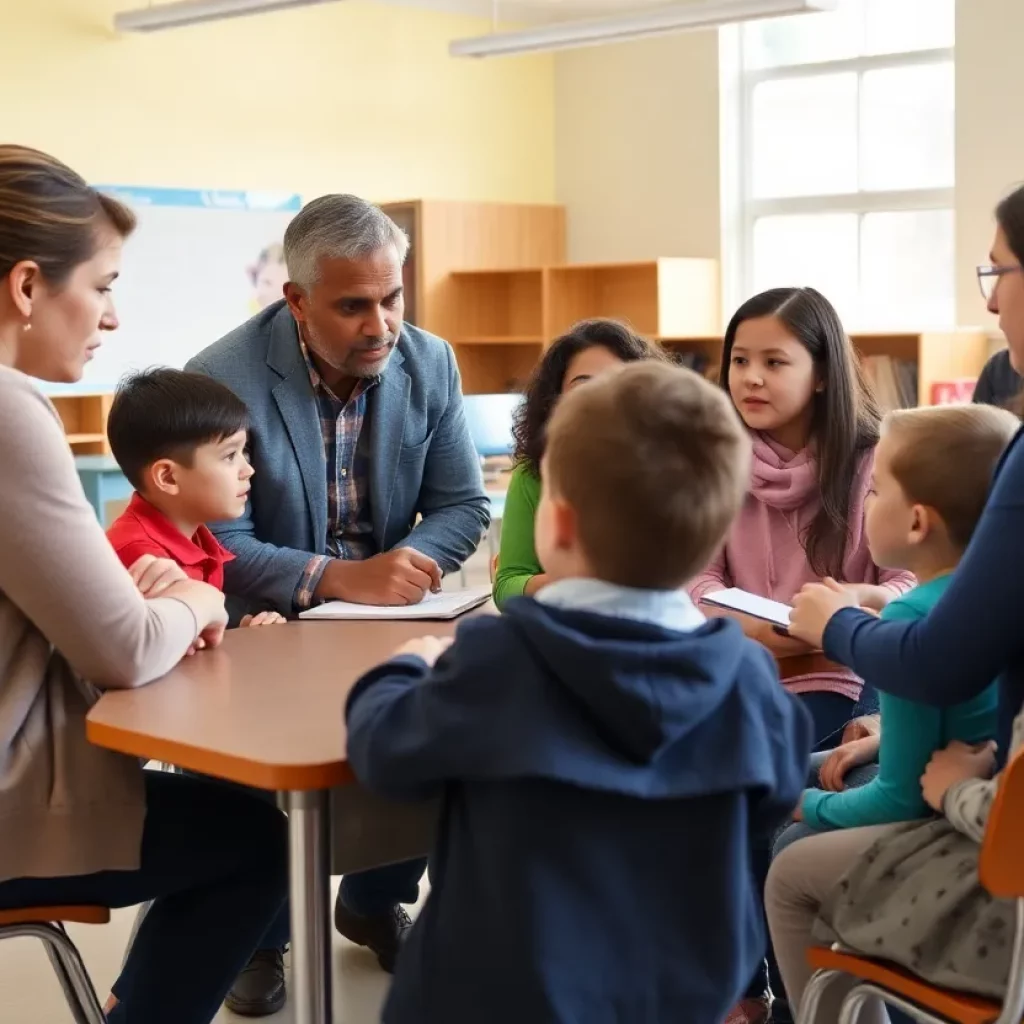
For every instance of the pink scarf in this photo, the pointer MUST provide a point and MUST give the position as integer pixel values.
(780, 478)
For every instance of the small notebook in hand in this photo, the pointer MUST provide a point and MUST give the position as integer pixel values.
(446, 605)
(736, 600)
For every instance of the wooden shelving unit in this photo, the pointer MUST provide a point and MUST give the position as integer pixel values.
(939, 355)
(84, 415)
(666, 298)
(490, 309)
(501, 320)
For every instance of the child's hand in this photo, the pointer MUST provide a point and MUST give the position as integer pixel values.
(859, 728)
(262, 619)
(870, 597)
(154, 575)
(814, 606)
(844, 759)
(957, 763)
(428, 648)
(798, 811)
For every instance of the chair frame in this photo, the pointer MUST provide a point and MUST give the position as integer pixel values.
(999, 871)
(67, 965)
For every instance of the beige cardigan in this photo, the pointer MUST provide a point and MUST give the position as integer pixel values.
(68, 613)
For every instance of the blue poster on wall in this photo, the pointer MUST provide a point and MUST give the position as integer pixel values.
(201, 262)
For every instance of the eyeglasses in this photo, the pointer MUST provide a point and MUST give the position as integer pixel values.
(989, 275)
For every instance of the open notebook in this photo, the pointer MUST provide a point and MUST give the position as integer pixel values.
(446, 605)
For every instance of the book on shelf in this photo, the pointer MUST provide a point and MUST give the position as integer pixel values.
(953, 392)
(894, 381)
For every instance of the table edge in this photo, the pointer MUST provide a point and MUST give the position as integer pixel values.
(274, 777)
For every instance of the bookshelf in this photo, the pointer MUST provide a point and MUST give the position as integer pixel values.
(500, 321)
(84, 415)
(938, 355)
(490, 309)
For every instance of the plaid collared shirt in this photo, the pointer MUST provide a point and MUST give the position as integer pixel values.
(349, 523)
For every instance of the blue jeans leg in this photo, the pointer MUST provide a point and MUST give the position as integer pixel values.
(374, 892)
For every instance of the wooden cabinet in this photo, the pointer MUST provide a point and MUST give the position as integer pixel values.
(83, 412)
(492, 322)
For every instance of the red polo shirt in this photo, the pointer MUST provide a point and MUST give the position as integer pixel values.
(142, 529)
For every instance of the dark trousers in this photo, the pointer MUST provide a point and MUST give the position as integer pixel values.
(367, 892)
(378, 890)
(215, 863)
(831, 712)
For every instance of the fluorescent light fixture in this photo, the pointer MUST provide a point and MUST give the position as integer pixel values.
(157, 17)
(678, 17)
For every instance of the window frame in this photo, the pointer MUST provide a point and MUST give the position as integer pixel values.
(741, 210)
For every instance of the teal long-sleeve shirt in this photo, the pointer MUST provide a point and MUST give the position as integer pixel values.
(911, 733)
(517, 562)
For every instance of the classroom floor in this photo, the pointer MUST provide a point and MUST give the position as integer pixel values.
(29, 993)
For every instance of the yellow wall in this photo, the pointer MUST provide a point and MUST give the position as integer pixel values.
(989, 140)
(637, 148)
(350, 97)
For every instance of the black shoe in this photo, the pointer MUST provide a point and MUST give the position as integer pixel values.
(382, 933)
(259, 990)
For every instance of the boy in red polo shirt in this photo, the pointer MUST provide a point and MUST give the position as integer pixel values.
(180, 439)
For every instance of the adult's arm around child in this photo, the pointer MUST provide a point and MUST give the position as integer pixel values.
(972, 634)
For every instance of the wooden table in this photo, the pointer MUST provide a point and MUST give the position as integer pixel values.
(267, 710)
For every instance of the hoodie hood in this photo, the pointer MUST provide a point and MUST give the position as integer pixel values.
(642, 687)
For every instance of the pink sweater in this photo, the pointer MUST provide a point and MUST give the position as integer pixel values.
(763, 552)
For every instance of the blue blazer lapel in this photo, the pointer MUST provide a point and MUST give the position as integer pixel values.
(297, 404)
(387, 425)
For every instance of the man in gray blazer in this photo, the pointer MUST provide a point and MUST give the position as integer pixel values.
(357, 428)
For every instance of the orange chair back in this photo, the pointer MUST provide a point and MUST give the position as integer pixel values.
(1001, 864)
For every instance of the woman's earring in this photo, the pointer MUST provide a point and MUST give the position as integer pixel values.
(27, 327)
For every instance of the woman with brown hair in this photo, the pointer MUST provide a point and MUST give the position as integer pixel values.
(80, 825)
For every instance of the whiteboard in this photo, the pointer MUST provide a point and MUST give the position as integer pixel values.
(191, 273)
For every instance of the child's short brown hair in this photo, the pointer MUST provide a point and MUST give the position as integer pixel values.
(655, 463)
(944, 457)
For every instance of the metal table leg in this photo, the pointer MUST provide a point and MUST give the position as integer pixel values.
(309, 892)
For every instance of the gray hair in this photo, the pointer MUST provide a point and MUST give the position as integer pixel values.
(339, 227)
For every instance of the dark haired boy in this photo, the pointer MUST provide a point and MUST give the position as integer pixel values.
(180, 440)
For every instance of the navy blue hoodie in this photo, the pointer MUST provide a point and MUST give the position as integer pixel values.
(602, 780)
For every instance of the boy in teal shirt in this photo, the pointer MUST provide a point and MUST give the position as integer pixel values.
(931, 476)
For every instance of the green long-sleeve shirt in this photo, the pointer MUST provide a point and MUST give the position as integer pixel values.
(911, 733)
(517, 562)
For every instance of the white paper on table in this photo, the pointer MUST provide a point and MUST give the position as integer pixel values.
(449, 604)
(743, 601)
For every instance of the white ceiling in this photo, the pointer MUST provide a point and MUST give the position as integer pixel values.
(536, 10)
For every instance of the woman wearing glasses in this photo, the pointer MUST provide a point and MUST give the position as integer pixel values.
(1000, 382)
(910, 893)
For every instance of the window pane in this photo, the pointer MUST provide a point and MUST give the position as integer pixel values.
(788, 161)
(816, 250)
(907, 127)
(899, 26)
(805, 38)
(906, 267)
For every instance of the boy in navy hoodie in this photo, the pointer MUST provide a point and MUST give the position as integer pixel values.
(603, 753)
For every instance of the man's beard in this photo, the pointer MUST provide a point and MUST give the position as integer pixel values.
(351, 364)
(357, 367)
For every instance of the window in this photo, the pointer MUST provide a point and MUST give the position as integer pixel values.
(844, 156)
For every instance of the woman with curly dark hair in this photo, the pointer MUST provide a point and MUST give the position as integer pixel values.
(590, 348)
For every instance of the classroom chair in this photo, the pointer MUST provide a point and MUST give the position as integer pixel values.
(47, 925)
(1001, 870)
